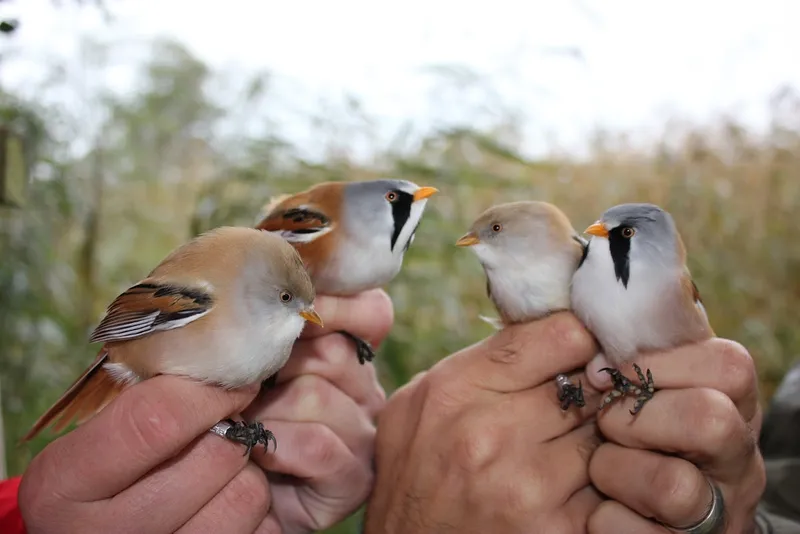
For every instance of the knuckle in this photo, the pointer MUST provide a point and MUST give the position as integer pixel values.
(335, 350)
(148, 422)
(568, 333)
(507, 345)
(321, 447)
(523, 495)
(248, 490)
(310, 395)
(738, 368)
(718, 422)
(382, 311)
(675, 486)
(477, 443)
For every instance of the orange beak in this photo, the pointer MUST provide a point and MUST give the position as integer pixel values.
(424, 192)
(311, 316)
(467, 240)
(598, 229)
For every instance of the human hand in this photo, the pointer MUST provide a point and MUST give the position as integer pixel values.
(322, 410)
(479, 443)
(147, 463)
(702, 424)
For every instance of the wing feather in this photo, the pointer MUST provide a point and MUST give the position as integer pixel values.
(148, 307)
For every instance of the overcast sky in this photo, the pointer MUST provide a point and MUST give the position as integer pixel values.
(644, 61)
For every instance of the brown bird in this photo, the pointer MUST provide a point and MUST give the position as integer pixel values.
(529, 252)
(352, 236)
(224, 309)
(634, 292)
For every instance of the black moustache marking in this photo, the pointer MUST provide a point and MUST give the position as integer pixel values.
(620, 254)
(585, 246)
(401, 211)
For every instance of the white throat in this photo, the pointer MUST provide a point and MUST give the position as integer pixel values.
(365, 258)
(525, 286)
(643, 316)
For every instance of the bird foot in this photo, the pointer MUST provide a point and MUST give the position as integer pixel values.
(624, 387)
(250, 435)
(363, 349)
(568, 393)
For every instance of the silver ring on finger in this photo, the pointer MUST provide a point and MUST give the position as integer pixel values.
(714, 519)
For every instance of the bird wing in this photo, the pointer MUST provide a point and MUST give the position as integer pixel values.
(150, 306)
(690, 288)
(295, 220)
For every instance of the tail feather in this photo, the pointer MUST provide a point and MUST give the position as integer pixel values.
(89, 394)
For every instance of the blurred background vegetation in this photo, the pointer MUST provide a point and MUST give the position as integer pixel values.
(157, 171)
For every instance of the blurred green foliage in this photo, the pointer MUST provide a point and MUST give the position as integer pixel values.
(155, 172)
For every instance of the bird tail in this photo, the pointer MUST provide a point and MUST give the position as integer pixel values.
(493, 321)
(90, 393)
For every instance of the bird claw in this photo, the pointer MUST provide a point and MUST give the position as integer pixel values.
(250, 435)
(622, 387)
(363, 349)
(568, 393)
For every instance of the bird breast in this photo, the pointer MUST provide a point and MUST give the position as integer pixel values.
(627, 321)
(524, 293)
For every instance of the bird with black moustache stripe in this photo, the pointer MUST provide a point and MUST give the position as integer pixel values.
(634, 292)
(352, 236)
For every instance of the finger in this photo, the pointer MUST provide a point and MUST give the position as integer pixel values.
(312, 399)
(331, 357)
(172, 493)
(147, 424)
(239, 508)
(568, 459)
(311, 451)
(718, 364)
(269, 525)
(667, 488)
(612, 517)
(551, 421)
(579, 508)
(368, 315)
(700, 424)
(521, 356)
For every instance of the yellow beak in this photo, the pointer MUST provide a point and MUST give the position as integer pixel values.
(312, 316)
(424, 192)
(598, 229)
(467, 240)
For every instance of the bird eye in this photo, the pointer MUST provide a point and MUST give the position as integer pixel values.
(286, 296)
(628, 232)
(391, 196)
(496, 227)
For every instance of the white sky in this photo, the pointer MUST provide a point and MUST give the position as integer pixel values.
(645, 61)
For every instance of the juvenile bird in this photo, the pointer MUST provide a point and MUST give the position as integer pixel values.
(224, 309)
(529, 252)
(634, 292)
(351, 235)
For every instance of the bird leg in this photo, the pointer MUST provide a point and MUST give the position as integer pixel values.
(568, 393)
(363, 349)
(250, 435)
(623, 387)
(270, 382)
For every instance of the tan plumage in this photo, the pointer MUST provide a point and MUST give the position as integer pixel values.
(529, 251)
(224, 309)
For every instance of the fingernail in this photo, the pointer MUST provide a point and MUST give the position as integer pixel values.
(597, 379)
